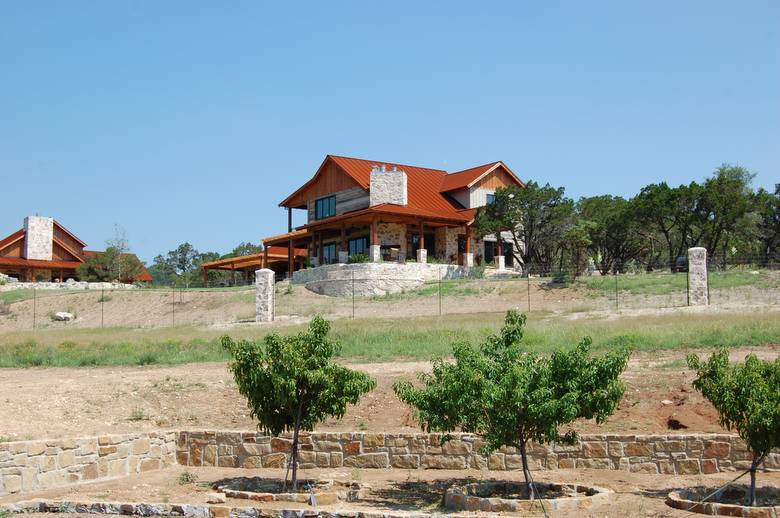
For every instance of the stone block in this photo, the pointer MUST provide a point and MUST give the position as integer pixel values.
(210, 455)
(594, 463)
(279, 445)
(716, 450)
(615, 448)
(709, 466)
(274, 460)
(636, 449)
(12, 483)
(66, 458)
(407, 461)
(368, 460)
(141, 446)
(373, 440)
(456, 447)
(443, 462)
(264, 295)
(496, 462)
(688, 467)
(594, 450)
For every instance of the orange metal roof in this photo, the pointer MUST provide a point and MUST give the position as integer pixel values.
(37, 263)
(466, 177)
(295, 234)
(274, 252)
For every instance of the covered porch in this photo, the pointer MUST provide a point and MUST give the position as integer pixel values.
(276, 258)
(391, 235)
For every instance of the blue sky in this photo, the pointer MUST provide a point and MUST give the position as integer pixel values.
(190, 121)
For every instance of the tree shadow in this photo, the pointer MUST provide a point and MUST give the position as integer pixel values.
(412, 495)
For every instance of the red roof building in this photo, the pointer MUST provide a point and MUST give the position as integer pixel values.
(390, 211)
(44, 250)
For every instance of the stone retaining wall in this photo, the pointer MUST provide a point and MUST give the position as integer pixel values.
(666, 454)
(372, 279)
(70, 284)
(36, 465)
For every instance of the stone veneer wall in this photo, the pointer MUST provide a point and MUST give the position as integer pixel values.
(39, 233)
(43, 464)
(371, 279)
(36, 465)
(665, 454)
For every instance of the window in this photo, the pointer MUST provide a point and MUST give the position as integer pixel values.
(329, 253)
(358, 245)
(490, 198)
(325, 207)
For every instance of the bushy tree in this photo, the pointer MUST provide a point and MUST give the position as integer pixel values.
(109, 266)
(747, 398)
(510, 396)
(292, 383)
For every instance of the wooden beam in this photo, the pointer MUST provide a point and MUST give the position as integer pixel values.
(374, 231)
(289, 219)
(290, 258)
(265, 257)
(468, 239)
(422, 234)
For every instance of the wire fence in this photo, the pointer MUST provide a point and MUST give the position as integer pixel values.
(561, 291)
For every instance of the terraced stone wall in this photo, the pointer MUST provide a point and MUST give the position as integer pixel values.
(35, 465)
(666, 454)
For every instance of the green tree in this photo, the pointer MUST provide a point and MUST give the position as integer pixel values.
(537, 217)
(291, 382)
(511, 396)
(616, 237)
(110, 266)
(747, 398)
(767, 207)
(244, 249)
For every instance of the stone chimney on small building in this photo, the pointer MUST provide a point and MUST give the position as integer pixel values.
(387, 186)
(39, 236)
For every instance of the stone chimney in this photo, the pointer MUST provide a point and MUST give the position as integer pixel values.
(38, 239)
(387, 186)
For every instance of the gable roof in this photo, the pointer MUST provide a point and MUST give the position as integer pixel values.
(71, 234)
(426, 187)
(13, 238)
(469, 177)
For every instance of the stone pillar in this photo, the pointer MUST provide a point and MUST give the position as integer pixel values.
(375, 253)
(698, 291)
(264, 295)
(422, 255)
(468, 260)
(343, 257)
(500, 262)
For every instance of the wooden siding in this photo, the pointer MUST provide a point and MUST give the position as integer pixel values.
(332, 179)
(14, 250)
(498, 178)
(65, 238)
(348, 200)
(58, 253)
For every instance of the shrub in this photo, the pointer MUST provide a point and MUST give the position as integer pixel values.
(291, 382)
(747, 398)
(358, 258)
(510, 396)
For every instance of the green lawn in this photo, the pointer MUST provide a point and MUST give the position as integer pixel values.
(388, 339)
(666, 283)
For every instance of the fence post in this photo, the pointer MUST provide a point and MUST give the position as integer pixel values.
(617, 296)
(173, 306)
(439, 291)
(34, 306)
(528, 291)
(353, 294)
(102, 305)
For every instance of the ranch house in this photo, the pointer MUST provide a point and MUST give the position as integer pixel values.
(44, 250)
(390, 212)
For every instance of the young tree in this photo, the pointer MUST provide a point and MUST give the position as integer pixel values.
(511, 396)
(110, 266)
(747, 398)
(291, 382)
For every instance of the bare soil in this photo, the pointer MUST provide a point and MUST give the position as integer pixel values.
(65, 402)
(635, 494)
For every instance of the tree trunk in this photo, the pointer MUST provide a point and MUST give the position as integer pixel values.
(294, 452)
(526, 471)
(757, 459)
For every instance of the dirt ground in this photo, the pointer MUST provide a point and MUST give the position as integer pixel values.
(636, 495)
(63, 402)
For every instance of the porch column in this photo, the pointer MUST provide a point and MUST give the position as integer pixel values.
(289, 219)
(265, 256)
(290, 258)
(343, 250)
(422, 252)
(374, 252)
(321, 252)
(500, 261)
(468, 256)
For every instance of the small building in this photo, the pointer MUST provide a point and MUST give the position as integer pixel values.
(272, 257)
(394, 212)
(44, 250)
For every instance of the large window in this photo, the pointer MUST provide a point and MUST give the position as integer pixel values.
(329, 253)
(490, 198)
(325, 207)
(358, 245)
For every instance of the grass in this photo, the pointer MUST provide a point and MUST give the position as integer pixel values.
(10, 297)
(374, 340)
(666, 283)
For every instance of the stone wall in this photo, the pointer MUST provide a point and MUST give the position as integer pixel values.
(388, 186)
(38, 239)
(42, 464)
(70, 284)
(336, 280)
(393, 234)
(36, 465)
(665, 454)
(698, 282)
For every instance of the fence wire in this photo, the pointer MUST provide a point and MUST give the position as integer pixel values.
(561, 291)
